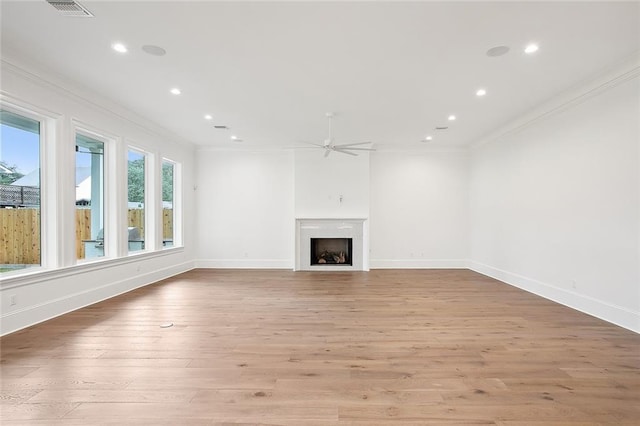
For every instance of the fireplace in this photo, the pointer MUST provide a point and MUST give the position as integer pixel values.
(331, 251)
(332, 244)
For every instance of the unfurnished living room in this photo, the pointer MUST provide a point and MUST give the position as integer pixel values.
(319, 213)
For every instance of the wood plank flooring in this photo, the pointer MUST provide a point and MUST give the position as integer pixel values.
(409, 347)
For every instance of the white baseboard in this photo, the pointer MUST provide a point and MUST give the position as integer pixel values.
(244, 263)
(418, 264)
(31, 315)
(34, 314)
(289, 264)
(606, 311)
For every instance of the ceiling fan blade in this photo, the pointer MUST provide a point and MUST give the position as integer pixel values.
(314, 144)
(329, 144)
(344, 145)
(345, 152)
(357, 149)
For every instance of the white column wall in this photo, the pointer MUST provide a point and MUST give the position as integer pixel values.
(333, 187)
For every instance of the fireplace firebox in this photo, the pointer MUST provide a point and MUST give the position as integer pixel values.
(331, 251)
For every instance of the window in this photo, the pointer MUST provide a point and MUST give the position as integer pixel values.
(89, 197)
(136, 200)
(41, 228)
(20, 232)
(168, 214)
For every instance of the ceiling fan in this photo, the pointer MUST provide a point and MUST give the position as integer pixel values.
(329, 144)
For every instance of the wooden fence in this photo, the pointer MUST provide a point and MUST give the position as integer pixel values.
(20, 236)
(20, 232)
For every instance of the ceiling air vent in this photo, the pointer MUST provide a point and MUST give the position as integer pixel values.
(70, 8)
(221, 127)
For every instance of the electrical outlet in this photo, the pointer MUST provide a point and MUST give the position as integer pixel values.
(12, 300)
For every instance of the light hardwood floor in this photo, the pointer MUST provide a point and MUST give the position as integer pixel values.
(410, 347)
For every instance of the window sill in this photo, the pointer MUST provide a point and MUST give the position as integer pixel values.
(42, 274)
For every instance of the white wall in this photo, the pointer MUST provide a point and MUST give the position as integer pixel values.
(419, 210)
(46, 294)
(333, 187)
(248, 202)
(245, 209)
(555, 206)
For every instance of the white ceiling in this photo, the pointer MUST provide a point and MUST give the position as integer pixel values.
(391, 70)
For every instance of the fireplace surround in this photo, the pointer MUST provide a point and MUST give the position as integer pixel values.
(327, 244)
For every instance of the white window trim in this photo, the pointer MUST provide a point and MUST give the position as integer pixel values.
(57, 198)
(176, 204)
(149, 210)
(178, 207)
(50, 256)
(109, 190)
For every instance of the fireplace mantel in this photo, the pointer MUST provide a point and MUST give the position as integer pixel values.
(354, 228)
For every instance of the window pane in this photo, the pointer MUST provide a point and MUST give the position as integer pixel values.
(136, 187)
(167, 204)
(89, 197)
(19, 192)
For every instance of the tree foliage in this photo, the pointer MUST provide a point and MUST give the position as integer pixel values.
(136, 181)
(135, 175)
(9, 173)
(167, 182)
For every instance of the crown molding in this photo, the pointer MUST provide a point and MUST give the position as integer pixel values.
(83, 95)
(255, 149)
(423, 150)
(607, 80)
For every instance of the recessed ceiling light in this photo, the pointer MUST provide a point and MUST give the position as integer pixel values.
(119, 47)
(175, 91)
(452, 117)
(497, 51)
(154, 50)
(531, 48)
(428, 138)
(481, 92)
(235, 138)
(208, 117)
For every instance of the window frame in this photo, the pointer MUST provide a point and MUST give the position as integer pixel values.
(176, 206)
(57, 197)
(49, 252)
(109, 142)
(148, 222)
